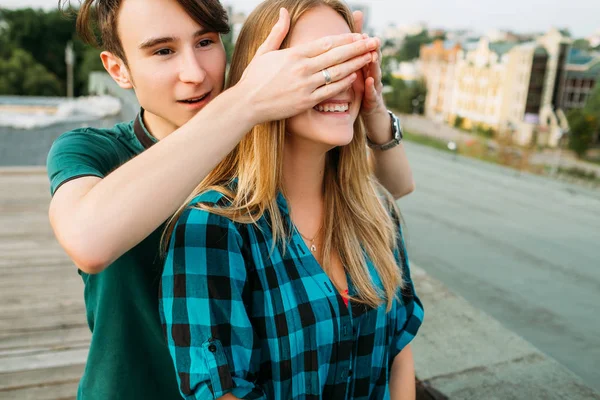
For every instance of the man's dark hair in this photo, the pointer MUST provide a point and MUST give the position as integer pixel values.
(103, 15)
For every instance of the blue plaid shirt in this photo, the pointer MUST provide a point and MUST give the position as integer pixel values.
(240, 318)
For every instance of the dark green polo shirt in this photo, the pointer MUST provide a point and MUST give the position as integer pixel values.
(128, 357)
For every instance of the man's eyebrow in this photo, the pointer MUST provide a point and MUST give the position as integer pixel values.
(149, 43)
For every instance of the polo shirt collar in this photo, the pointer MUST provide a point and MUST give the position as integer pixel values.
(142, 134)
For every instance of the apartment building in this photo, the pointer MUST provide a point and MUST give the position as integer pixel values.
(512, 88)
(479, 86)
(438, 64)
(582, 76)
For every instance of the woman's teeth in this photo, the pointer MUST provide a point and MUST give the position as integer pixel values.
(332, 107)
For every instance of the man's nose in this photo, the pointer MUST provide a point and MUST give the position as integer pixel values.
(191, 70)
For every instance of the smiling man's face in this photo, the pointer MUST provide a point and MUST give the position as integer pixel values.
(175, 65)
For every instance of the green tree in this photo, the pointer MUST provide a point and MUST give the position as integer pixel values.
(386, 70)
(90, 62)
(228, 44)
(411, 48)
(44, 35)
(592, 106)
(565, 32)
(581, 44)
(406, 97)
(22, 75)
(583, 127)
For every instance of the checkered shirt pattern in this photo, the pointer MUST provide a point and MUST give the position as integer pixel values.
(245, 318)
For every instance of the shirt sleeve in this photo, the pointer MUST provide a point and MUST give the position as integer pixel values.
(208, 331)
(77, 154)
(410, 312)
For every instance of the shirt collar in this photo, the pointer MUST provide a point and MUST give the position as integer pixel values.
(141, 132)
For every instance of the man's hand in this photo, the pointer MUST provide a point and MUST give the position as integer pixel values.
(283, 83)
(391, 166)
(373, 108)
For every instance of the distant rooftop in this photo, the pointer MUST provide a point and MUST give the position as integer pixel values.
(501, 48)
(581, 57)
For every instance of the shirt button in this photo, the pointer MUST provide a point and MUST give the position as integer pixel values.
(212, 348)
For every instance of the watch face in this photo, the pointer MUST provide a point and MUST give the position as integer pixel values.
(397, 127)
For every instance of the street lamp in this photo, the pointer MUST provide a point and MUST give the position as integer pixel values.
(556, 165)
(70, 61)
(415, 104)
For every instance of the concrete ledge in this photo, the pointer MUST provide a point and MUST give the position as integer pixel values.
(466, 354)
(18, 170)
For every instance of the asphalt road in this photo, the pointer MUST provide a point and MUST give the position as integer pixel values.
(524, 249)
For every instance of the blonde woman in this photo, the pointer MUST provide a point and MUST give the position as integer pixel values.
(286, 275)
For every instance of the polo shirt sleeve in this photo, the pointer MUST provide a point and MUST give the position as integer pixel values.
(209, 334)
(410, 312)
(77, 154)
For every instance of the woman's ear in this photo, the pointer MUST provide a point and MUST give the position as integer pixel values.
(116, 69)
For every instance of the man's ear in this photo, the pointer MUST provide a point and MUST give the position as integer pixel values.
(116, 69)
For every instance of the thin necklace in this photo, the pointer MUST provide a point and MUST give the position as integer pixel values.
(313, 248)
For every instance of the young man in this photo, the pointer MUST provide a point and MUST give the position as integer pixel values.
(113, 189)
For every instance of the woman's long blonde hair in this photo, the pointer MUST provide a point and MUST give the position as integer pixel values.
(356, 222)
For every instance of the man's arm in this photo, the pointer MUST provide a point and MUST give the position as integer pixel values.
(402, 376)
(392, 168)
(98, 220)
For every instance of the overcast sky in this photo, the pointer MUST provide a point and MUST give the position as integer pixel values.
(580, 16)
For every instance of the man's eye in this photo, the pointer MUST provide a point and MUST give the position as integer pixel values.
(205, 43)
(163, 52)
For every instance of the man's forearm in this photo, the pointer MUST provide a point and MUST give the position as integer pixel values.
(393, 171)
(402, 376)
(128, 204)
(392, 168)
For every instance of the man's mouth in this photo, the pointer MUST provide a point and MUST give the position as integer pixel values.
(195, 99)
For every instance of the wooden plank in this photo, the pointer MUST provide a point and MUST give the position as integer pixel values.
(41, 307)
(58, 391)
(43, 323)
(47, 359)
(49, 337)
(44, 337)
(48, 262)
(12, 381)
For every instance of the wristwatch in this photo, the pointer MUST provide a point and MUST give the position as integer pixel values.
(396, 132)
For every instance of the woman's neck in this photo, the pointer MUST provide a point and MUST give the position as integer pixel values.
(303, 174)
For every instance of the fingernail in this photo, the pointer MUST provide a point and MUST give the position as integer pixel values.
(357, 37)
(365, 35)
(372, 43)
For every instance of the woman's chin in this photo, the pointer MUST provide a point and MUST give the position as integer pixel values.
(342, 140)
